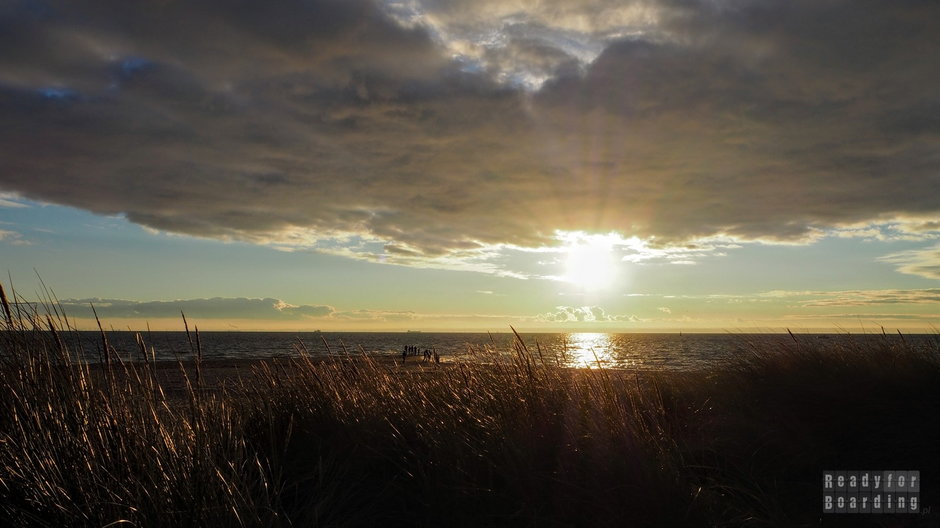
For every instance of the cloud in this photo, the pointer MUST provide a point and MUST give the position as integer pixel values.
(571, 314)
(921, 226)
(10, 200)
(377, 315)
(232, 308)
(214, 308)
(225, 313)
(809, 298)
(525, 42)
(12, 237)
(335, 126)
(922, 262)
(902, 228)
(875, 318)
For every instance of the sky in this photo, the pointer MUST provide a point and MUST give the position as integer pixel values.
(670, 165)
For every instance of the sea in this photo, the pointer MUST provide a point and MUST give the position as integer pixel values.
(641, 351)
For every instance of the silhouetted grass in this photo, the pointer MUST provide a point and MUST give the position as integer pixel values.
(508, 439)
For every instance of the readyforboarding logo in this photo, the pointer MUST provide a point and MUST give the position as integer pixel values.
(890, 491)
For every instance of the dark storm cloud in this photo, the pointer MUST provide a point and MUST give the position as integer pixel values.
(295, 121)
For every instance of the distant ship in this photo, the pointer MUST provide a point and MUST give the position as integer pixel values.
(413, 331)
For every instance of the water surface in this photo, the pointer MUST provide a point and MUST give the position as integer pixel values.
(635, 351)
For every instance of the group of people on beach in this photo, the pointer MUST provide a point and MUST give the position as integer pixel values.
(429, 354)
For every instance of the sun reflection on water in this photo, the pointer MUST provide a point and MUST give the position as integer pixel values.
(587, 350)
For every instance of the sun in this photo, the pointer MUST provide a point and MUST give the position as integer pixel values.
(590, 262)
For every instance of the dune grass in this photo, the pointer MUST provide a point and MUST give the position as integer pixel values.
(510, 440)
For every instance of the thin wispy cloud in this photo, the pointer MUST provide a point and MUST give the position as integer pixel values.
(13, 237)
(219, 312)
(875, 319)
(212, 308)
(923, 262)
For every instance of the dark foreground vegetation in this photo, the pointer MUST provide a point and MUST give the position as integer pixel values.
(512, 441)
